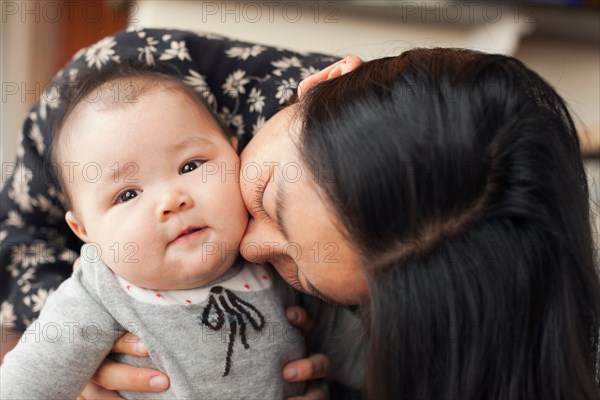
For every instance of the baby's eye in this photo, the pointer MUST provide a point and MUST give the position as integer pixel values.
(190, 166)
(127, 195)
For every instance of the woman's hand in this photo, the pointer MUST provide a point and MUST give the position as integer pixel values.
(112, 376)
(348, 64)
(316, 366)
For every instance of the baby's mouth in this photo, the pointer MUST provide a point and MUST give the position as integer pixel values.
(188, 234)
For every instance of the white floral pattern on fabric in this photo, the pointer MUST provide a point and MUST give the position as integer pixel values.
(20, 148)
(234, 84)
(101, 53)
(14, 219)
(259, 124)
(7, 314)
(236, 121)
(13, 269)
(52, 192)
(68, 255)
(147, 52)
(243, 53)
(286, 90)
(177, 50)
(31, 255)
(36, 135)
(54, 213)
(308, 71)
(211, 36)
(73, 74)
(134, 28)
(37, 300)
(19, 192)
(198, 83)
(284, 64)
(50, 99)
(25, 279)
(256, 100)
(76, 56)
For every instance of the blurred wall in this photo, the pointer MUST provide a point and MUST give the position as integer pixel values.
(27, 58)
(37, 38)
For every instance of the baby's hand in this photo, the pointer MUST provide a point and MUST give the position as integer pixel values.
(316, 366)
(112, 376)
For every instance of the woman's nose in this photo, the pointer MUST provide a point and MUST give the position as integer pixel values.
(171, 203)
(261, 242)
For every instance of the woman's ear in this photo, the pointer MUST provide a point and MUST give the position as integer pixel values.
(348, 64)
(76, 226)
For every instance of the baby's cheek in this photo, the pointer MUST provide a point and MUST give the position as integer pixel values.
(130, 244)
(236, 215)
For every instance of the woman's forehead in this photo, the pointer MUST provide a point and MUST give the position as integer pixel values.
(275, 140)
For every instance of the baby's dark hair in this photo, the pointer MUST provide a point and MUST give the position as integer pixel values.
(118, 85)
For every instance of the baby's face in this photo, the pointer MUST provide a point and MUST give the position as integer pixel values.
(156, 188)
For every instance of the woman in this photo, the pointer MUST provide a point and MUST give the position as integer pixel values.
(444, 191)
(452, 182)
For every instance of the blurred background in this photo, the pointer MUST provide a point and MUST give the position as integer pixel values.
(558, 39)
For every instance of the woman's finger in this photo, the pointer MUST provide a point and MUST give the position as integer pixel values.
(298, 317)
(316, 366)
(349, 63)
(95, 392)
(116, 376)
(314, 391)
(130, 344)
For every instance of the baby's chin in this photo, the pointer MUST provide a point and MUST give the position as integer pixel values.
(189, 281)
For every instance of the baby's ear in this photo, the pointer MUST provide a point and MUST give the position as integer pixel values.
(234, 142)
(76, 226)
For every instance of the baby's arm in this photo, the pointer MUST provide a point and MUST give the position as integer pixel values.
(59, 353)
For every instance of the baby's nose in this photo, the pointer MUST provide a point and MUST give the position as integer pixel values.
(173, 202)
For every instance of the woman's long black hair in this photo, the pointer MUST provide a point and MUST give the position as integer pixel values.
(459, 177)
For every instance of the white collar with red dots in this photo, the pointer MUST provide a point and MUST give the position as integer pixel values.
(250, 278)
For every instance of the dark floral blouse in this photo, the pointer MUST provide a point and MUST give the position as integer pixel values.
(245, 83)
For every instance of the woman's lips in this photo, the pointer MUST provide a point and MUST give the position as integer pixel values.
(188, 235)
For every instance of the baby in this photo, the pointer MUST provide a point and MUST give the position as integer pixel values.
(151, 184)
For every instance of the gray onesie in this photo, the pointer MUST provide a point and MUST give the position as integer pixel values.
(230, 341)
